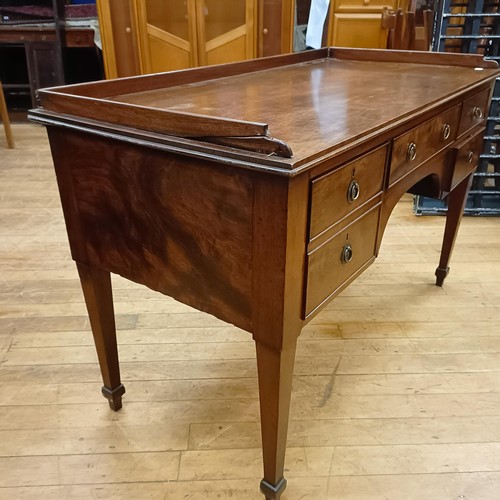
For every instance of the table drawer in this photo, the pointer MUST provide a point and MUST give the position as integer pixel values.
(474, 111)
(338, 193)
(419, 144)
(340, 258)
(467, 158)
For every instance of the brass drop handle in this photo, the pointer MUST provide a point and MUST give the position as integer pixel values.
(346, 255)
(446, 131)
(353, 191)
(411, 154)
(470, 156)
(478, 112)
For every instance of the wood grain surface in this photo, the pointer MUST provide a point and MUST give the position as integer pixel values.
(322, 103)
(330, 202)
(179, 226)
(428, 139)
(323, 100)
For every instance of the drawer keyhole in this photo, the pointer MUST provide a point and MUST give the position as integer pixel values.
(353, 191)
(346, 253)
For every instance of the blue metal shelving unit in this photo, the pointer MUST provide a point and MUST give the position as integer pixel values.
(473, 27)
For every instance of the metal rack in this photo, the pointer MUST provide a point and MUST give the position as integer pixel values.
(473, 27)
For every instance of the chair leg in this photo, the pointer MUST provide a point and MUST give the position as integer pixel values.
(5, 120)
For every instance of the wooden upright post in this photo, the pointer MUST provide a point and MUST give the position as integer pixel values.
(5, 120)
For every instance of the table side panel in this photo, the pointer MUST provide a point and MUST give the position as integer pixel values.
(177, 225)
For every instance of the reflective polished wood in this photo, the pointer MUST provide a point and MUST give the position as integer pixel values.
(200, 185)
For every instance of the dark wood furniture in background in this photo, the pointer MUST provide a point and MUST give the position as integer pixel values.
(403, 32)
(40, 47)
(262, 211)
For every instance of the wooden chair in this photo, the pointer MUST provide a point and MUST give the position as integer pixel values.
(428, 27)
(5, 120)
(402, 30)
(392, 21)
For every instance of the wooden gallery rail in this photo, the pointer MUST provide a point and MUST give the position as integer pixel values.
(175, 181)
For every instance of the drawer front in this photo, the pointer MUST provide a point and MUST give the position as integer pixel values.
(336, 261)
(363, 5)
(419, 144)
(474, 111)
(467, 159)
(338, 193)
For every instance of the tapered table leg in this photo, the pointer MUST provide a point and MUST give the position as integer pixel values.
(96, 286)
(456, 204)
(275, 369)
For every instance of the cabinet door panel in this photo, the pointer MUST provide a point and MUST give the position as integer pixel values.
(184, 33)
(358, 30)
(227, 52)
(117, 21)
(225, 30)
(168, 34)
(176, 57)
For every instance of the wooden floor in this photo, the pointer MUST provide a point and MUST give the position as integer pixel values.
(396, 392)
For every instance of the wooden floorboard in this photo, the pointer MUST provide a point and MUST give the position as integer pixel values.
(396, 391)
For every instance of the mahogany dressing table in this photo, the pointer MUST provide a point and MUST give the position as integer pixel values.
(257, 191)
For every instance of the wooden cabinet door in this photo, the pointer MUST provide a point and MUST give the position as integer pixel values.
(181, 34)
(168, 34)
(226, 30)
(117, 22)
(358, 30)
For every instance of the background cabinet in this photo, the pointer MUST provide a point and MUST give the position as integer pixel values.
(357, 30)
(117, 22)
(145, 36)
(149, 36)
(357, 23)
(349, 23)
(39, 47)
(185, 33)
